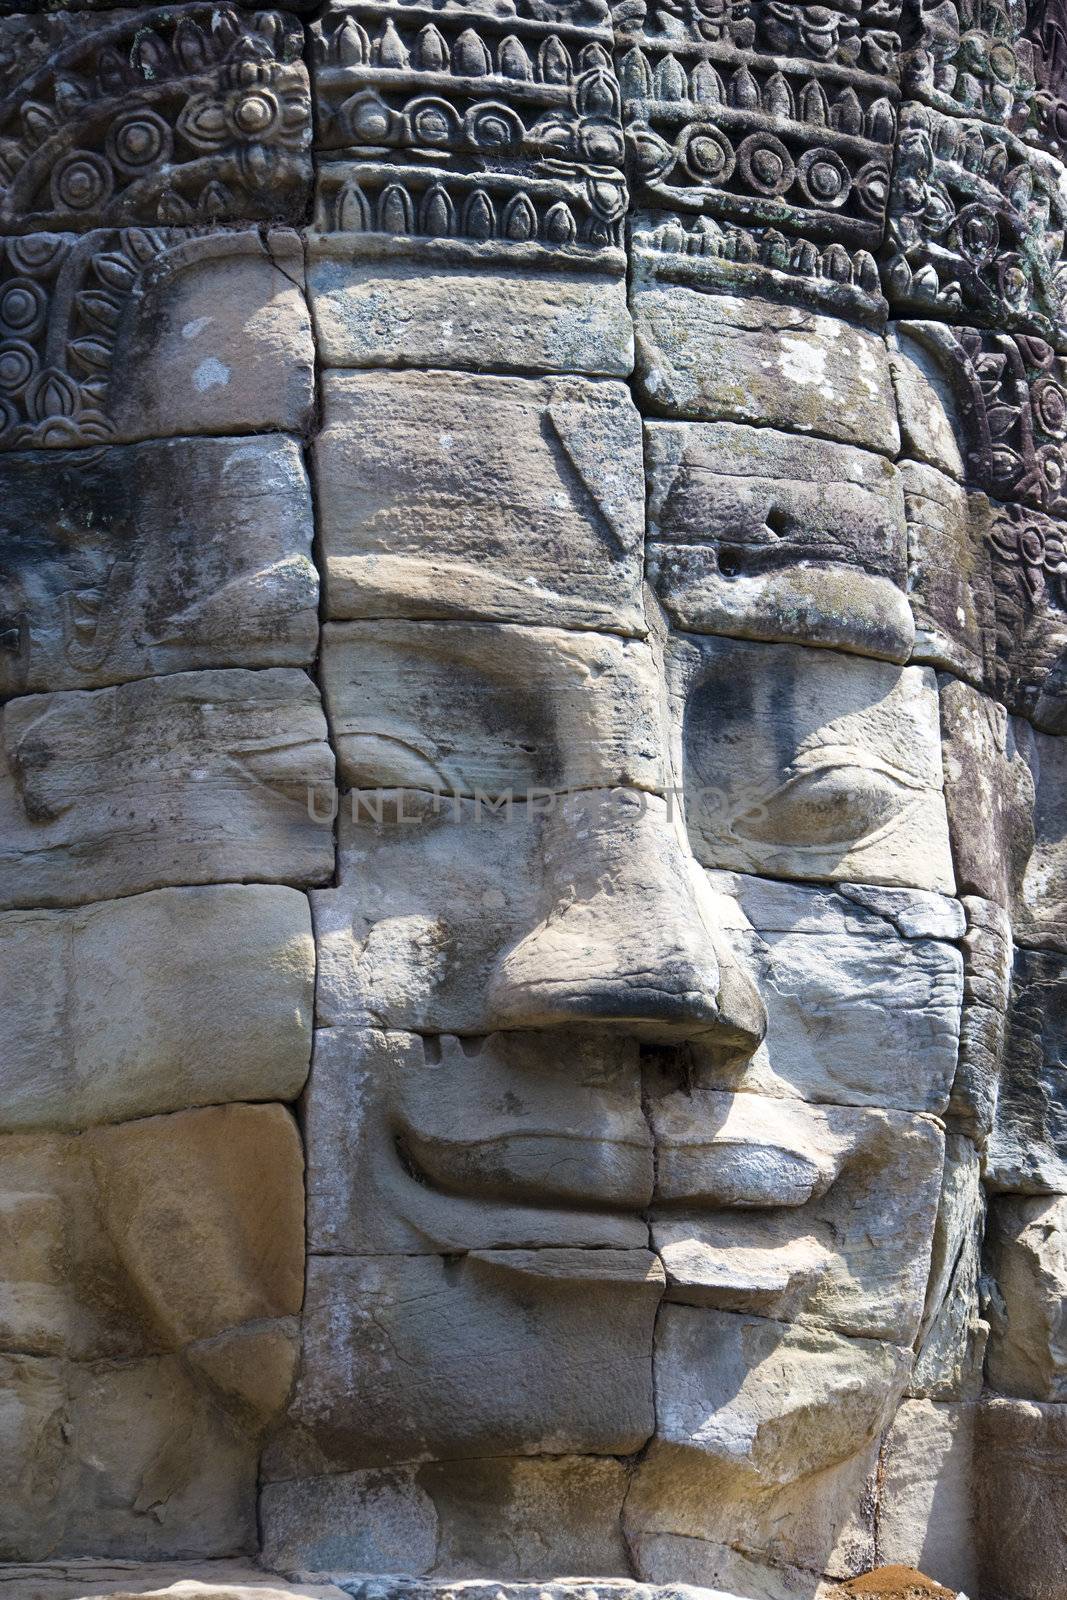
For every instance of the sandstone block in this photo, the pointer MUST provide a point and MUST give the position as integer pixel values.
(952, 1336)
(175, 998)
(137, 334)
(169, 132)
(1028, 1145)
(193, 776)
(472, 708)
(425, 1144)
(718, 357)
(490, 1353)
(925, 404)
(822, 1215)
(122, 1459)
(1021, 1517)
(984, 588)
(510, 1518)
(452, 495)
(765, 1427)
(156, 557)
(987, 967)
(117, 1579)
(1027, 1257)
(989, 792)
(764, 535)
(1040, 913)
(862, 990)
(927, 1502)
(801, 763)
(381, 302)
(140, 1238)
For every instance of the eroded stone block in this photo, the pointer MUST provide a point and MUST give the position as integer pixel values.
(380, 302)
(510, 1518)
(448, 495)
(862, 990)
(490, 1353)
(767, 1427)
(763, 535)
(444, 1144)
(135, 334)
(156, 557)
(1040, 913)
(926, 1502)
(803, 763)
(988, 954)
(216, 992)
(144, 118)
(952, 1338)
(1028, 1145)
(986, 584)
(1021, 1516)
(719, 357)
(1027, 1258)
(195, 775)
(822, 1215)
(989, 792)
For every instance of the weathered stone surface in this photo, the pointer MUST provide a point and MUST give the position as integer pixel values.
(989, 792)
(421, 1145)
(586, 911)
(849, 783)
(926, 405)
(763, 535)
(927, 1493)
(996, 63)
(473, 708)
(1040, 913)
(216, 991)
(952, 1337)
(153, 118)
(121, 1245)
(556, 1343)
(127, 1458)
(988, 955)
(450, 495)
(819, 1215)
(510, 1518)
(156, 557)
(136, 334)
(382, 302)
(861, 987)
(987, 589)
(1021, 1517)
(720, 358)
(194, 776)
(143, 1237)
(1028, 1145)
(1027, 1257)
(767, 1428)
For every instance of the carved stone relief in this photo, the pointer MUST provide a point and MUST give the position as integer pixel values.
(533, 662)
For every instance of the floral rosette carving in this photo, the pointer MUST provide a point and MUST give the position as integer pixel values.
(1038, 553)
(976, 226)
(188, 114)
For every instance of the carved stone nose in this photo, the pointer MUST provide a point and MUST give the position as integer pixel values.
(627, 942)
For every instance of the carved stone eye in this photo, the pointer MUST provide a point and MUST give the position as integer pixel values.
(493, 127)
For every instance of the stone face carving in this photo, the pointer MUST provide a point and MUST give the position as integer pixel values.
(110, 571)
(532, 828)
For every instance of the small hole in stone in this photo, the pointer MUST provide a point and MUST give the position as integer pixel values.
(729, 562)
(775, 520)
